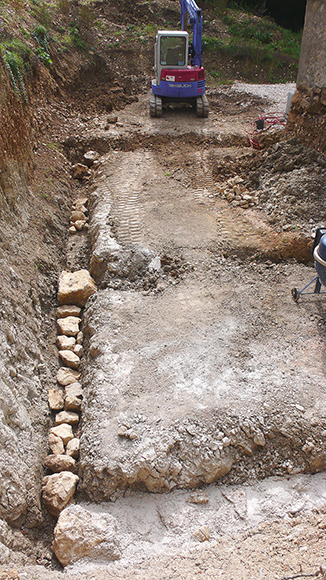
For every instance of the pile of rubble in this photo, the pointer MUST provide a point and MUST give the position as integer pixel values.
(236, 193)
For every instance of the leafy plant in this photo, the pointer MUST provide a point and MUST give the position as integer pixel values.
(42, 38)
(16, 57)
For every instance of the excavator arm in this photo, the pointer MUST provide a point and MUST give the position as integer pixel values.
(192, 14)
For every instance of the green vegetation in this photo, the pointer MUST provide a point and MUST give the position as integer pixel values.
(256, 43)
(16, 57)
(42, 38)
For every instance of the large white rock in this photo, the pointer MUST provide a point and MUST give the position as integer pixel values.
(66, 376)
(68, 310)
(58, 490)
(63, 431)
(69, 325)
(75, 287)
(58, 463)
(70, 359)
(65, 342)
(80, 534)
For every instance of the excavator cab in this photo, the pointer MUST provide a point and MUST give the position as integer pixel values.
(179, 74)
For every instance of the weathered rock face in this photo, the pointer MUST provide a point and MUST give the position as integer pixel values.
(79, 534)
(75, 287)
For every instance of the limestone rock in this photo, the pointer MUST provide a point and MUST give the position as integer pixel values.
(77, 215)
(78, 350)
(70, 359)
(80, 203)
(56, 399)
(79, 171)
(9, 574)
(68, 310)
(79, 534)
(69, 325)
(72, 403)
(75, 287)
(67, 376)
(66, 342)
(80, 224)
(64, 431)
(56, 444)
(58, 463)
(58, 490)
(202, 534)
(72, 448)
(80, 337)
(90, 157)
(74, 390)
(66, 417)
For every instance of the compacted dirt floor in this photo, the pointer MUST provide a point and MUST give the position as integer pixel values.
(194, 338)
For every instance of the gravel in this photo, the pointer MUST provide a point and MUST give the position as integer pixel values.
(276, 93)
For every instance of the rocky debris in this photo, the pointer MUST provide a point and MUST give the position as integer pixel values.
(9, 574)
(89, 157)
(80, 171)
(286, 181)
(66, 376)
(56, 399)
(236, 193)
(66, 342)
(60, 462)
(72, 448)
(58, 491)
(66, 417)
(70, 359)
(198, 497)
(111, 120)
(202, 534)
(80, 534)
(63, 431)
(68, 310)
(56, 444)
(68, 326)
(75, 288)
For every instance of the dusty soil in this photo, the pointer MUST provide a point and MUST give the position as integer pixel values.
(159, 178)
(223, 276)
(225, 272)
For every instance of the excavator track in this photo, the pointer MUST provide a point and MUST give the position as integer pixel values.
(202, 106)
(155, 105)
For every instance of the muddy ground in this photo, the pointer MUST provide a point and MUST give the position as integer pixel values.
(194, 341)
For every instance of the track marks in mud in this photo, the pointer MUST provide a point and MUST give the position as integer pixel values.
(127, 188)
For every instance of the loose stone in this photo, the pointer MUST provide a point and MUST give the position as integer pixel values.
(68, 310)
(78, 350)
(80, 534)
(58, 463)
(69, 325)
(202, 534)
(74, 390)
(80, 337)
(72, 448)
(66, 342)
(75, 287)
(72, 403)
(66, 376)
(56, 444)
(64, 431)
(70, 359)
(56, 399)
(66, 417)
(58, 491)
